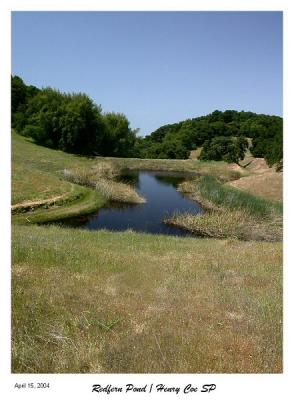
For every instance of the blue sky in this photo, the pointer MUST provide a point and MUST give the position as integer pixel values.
(155, 67)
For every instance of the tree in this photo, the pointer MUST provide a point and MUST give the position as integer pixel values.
(274, 151)
(265, 131)
(81, 126)
(45, 111)
(173, 149)
(74, 123)
(241, 146)
(228, 149)
(20, 95)
(119, 139)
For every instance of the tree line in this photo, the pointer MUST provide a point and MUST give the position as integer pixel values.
(69, 122)
(221, 135)
(75, 124)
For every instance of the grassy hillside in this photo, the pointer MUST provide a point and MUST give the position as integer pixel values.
(40, 188)
(38, 185)
(50, 185)
(26, 154)
(87, 301)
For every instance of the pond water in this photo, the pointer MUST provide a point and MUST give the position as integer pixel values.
(162, 201)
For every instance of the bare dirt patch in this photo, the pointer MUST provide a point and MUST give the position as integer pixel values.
(38, 203)
(256, 165)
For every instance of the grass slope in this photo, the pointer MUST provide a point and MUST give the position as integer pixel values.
(126, 302)
(131, 302)
(268, 185)
(37, 178)
(81, 202)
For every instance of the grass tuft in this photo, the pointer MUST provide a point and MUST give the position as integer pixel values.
(236, 224)
(118, 191)
(101, 177)
(91, 175)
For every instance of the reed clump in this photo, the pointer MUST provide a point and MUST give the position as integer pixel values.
(235, 224)
(229, 212)
(89, 176)
(118, 191)
(101, 177)
(212, 193)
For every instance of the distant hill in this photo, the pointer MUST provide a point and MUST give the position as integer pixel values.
(219, 136)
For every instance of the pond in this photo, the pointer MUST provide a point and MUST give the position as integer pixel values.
(162, 201)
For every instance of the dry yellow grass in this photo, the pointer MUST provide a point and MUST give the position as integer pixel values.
(230, 212)
(236, 224)
(118, 191)
(90, 175)
(256, 165)
(100, 177)
(220, 169)
(31, 204)
(194, 154)
(268, 185)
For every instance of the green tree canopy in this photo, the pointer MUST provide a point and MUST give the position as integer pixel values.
(228, 149)
(70, 122)
(266, 132)
(119, 138)
(74, 123)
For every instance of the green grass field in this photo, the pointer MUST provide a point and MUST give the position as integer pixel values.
(85, 301)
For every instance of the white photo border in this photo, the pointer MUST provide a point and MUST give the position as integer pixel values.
(229, 386)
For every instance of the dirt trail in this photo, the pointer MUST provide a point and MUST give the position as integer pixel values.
(37, 203)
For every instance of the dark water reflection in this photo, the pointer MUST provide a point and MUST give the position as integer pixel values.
(162, 201)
